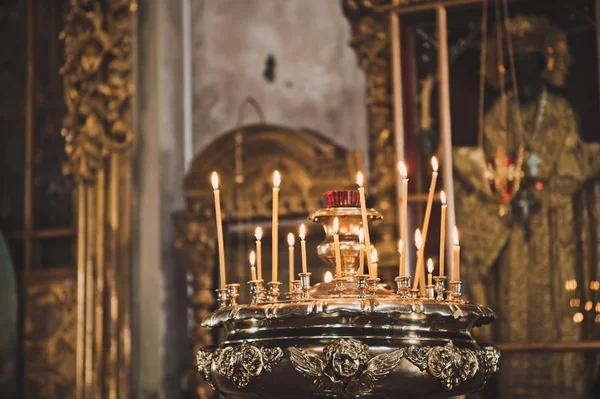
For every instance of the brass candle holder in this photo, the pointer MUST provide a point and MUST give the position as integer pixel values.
(305, 282)
(361, 284)
(340, 286)
(233, 293)
(403, 283)
(256, 291)
(222, 297)
(273, 291)
(440, 287)
(455, 293)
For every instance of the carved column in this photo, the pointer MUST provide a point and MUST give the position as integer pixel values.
(370, 39)
(98, 81)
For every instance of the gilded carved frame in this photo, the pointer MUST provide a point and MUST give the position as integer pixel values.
(98, 130)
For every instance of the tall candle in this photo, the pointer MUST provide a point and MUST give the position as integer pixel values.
(443, 232)
(400, 257)
(365, 223)
(429, 271)
(275, 224)
(253, 264)
(434, 175)
(375, 263)
(291, 240)
(303, 247)
(336, 243)
(456, 276)
(219, 221)
(418, 244)
(361, 251)
(404, 227)
(258, 235)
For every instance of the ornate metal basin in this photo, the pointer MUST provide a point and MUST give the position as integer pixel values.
(379, 347)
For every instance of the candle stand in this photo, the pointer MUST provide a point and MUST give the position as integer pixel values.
(348, 338)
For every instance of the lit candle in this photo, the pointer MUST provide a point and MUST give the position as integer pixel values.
(336, 243)
(418, 244)
(275, 223)
(374, 263)
(404, 227)
(290, 240)
(253, 264)
(365, 224)
(361, 251)
(456, 276)
(429, 271)
(434, 175)
(215, 185)
(443, 232)
(400, 257)
(303, 247)
(258, 235)
(328, 278)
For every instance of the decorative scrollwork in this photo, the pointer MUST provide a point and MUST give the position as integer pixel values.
(489, 358)
(345, 366)
(238, 363)
(98, 82)
(450, 364)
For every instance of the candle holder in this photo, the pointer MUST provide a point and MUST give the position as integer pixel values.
(372, 286)
(305, 282)
(455, 292)
(233, 292)
(256, 290)
(403, 283)
(222, 297)
(440, 287)
(361, 284)
(430, 291)
(340, 286)
(273, 292)
(296, 293)
(414, 293)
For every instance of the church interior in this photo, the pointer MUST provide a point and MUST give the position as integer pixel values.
(419, 181)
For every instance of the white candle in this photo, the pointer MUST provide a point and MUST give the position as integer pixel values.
(374, 263)
(365, 223)
(258, 235)
(291, 241)
(361, 251)
(336, 244)
(215, 185)
(429, 272)
(275, 224)
(253, 264)
(434, 175)
(456, 273)
(443, 232)
(404, 227)
(303, 247)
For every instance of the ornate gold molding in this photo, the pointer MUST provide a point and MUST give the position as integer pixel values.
(370, 31)
(99, 85)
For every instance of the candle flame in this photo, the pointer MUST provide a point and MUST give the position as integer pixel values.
(359, 179)
(214, 178)
(302, 231)
(400, 247)
(276, 179)
(455, 235)
(361, 235)
(336, 225)
(443, 197)
(429, 266)
(402, 169)
(374, 256)
(258, 233)
(328, 277)
(434, 164)
(252, 258)
(291, 239)
(418, 239)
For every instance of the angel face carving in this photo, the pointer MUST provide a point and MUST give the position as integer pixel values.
(346, 357)
(345, 366)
